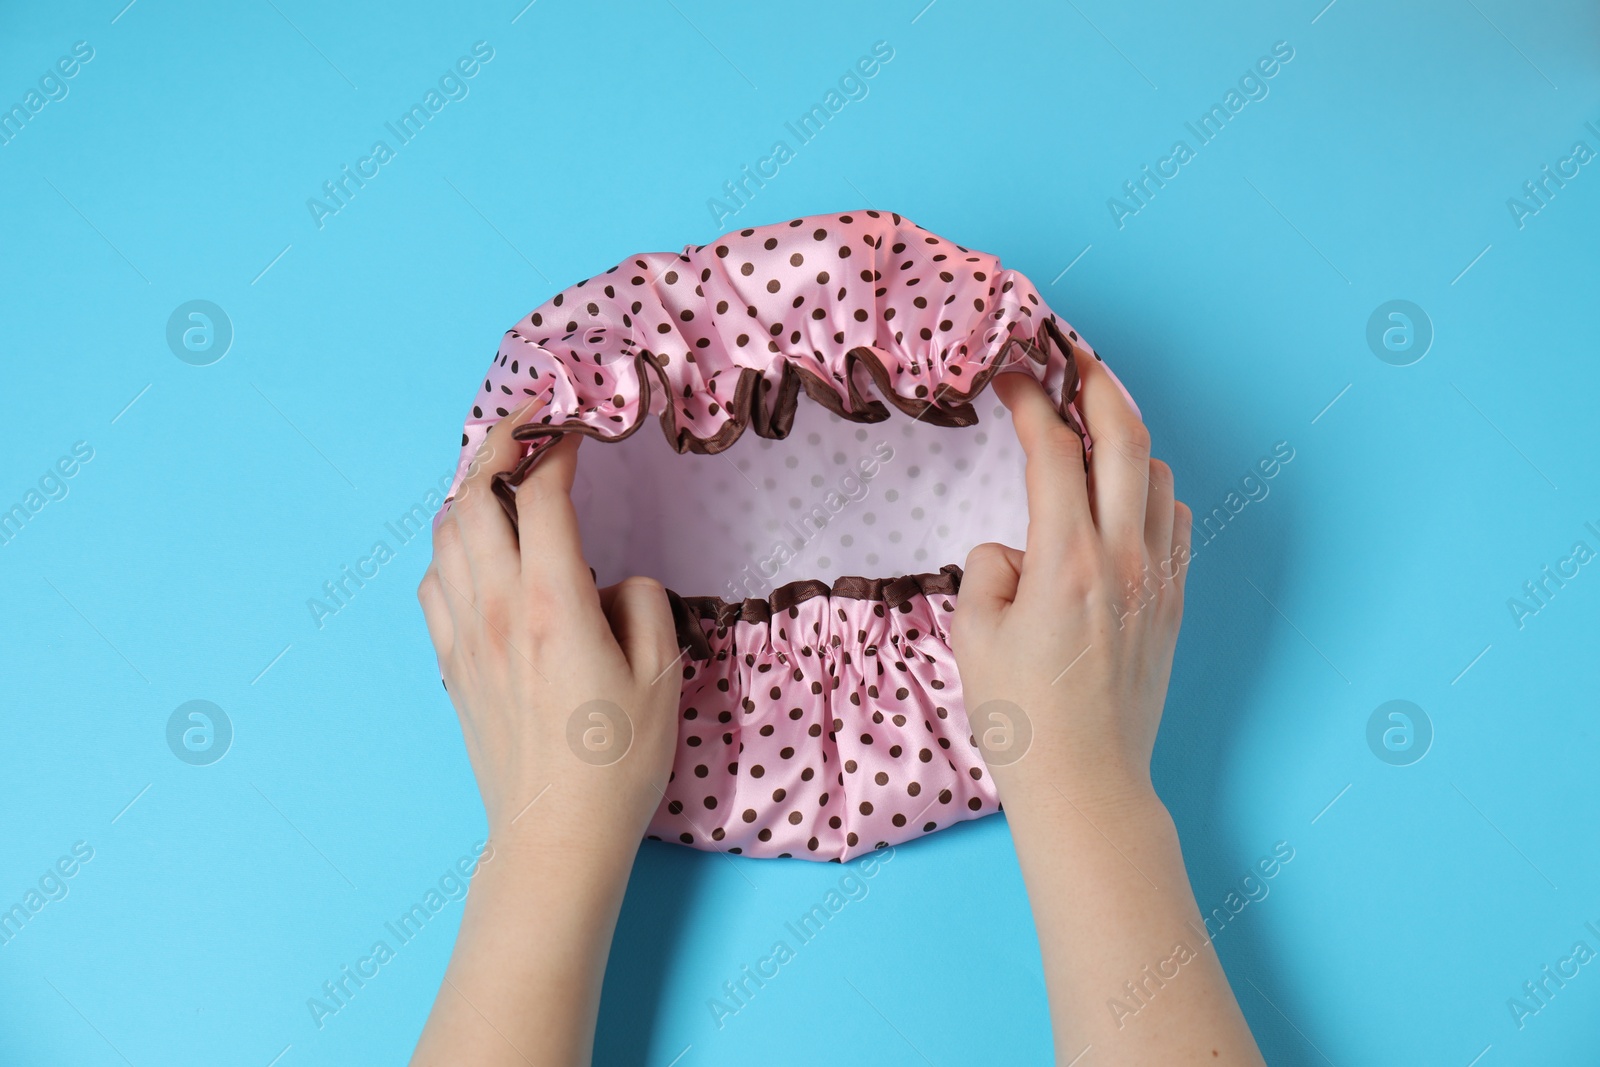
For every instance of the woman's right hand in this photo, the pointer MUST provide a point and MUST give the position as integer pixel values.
(1069, 644)
(1076, 634)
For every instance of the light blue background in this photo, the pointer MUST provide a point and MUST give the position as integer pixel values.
(1234, 306)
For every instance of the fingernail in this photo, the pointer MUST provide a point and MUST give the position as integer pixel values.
(527, 408)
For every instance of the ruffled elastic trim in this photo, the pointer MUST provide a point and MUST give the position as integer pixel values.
(892, 593)
(770, 411)
(867, 312)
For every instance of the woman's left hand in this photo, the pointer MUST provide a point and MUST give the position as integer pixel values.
(565, 692)
(568, 700)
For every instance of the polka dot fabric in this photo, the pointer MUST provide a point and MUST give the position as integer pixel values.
(825, 728)
(724, 335)
(821, 721)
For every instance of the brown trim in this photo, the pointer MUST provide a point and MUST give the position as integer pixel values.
(687, 612)
(750, 405)
(771, 410)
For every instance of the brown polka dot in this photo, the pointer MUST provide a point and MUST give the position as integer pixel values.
(881, 778)
(757, 771)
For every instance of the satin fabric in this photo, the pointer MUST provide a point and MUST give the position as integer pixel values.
(833, 725)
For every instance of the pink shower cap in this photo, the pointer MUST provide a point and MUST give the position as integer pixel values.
(826, 719)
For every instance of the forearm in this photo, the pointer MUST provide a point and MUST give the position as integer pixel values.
(523, 985)
(1129, 968)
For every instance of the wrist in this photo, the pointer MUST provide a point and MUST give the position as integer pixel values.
(564, 878)
(1048, 807)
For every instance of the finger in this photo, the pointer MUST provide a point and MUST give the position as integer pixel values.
(988, 585)
(450, 564)
(486, 534)
(608, 597)
(1182, 532)
(1058, 502)
(1158, 513)
(552, 545)
(436, 612)
(1119, 460)
(641, 619)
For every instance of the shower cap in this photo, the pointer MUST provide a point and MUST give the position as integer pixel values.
(826, 719)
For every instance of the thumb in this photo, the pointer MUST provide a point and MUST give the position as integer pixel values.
(641, 618)
(989, 583)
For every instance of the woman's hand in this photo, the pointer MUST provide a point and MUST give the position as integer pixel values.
(559, 686)
(568, 702)
(1077, 632)
(1064, 652)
